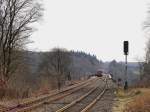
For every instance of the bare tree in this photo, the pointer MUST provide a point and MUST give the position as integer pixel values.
(16, 18)
(56, 63)
(140, 66)
(146, 64)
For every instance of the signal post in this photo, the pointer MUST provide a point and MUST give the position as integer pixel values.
(126, 52)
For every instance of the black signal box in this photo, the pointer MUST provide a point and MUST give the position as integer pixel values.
(126, 47)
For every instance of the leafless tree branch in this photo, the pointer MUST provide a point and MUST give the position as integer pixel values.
(16, 17)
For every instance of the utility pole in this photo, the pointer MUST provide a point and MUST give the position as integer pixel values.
(126, 52)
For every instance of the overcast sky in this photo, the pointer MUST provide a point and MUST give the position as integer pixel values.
(95, 26)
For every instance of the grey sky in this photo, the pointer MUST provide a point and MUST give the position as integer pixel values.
(95, 26)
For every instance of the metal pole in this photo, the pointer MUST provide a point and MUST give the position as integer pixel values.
(126, 72)
(126, 67)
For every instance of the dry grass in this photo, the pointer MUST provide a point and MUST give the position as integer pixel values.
(122, 98)
(140, 103)
(133, 100)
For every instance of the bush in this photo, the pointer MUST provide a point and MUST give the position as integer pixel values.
(9, 93)
(2, 93)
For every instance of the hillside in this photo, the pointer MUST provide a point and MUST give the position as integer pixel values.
(82, 63)
(32, 74)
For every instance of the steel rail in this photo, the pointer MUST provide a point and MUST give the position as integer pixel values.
(40, 102)
(63, 109)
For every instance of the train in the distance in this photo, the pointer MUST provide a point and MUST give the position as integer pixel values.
(101, 73)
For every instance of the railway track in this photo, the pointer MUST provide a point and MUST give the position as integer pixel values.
(55, 105)
(106, 102)
(30, 105)
(2, 108)
(87, 101)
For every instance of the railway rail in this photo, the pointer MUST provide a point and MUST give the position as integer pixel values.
(2, 108)
(87, 101)
(106, 103)
(55, 105)
(29, 105)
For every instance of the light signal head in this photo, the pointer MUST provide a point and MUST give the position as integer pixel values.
(126, 47)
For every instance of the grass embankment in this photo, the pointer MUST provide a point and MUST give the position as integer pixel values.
(133, 100)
